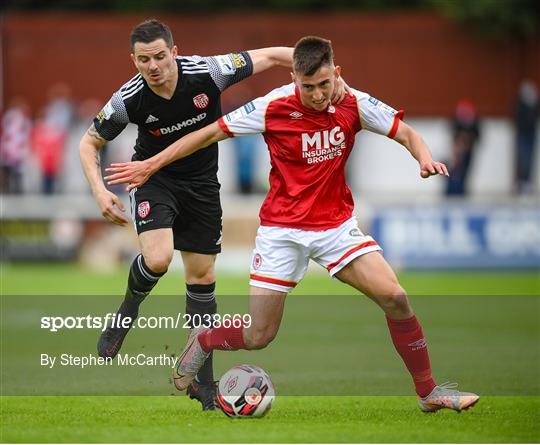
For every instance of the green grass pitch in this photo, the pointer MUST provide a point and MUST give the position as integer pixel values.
(483, 330)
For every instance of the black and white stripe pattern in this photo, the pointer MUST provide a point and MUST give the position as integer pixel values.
(201, 297)
(223, 81)
(133, 203)
(145, 272)
(193, 65)
(131, 87)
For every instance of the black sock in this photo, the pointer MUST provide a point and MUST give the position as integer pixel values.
(200, 299)
(140, 282)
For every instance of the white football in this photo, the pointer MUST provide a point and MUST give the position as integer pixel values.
(245, 391)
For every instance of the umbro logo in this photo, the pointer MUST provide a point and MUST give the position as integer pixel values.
(296, 115)
(151, 119)
(419, 344)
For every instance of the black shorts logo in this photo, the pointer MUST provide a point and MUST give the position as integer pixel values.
(143, 209)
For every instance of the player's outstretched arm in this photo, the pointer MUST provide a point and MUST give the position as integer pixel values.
(136, 173)
(412, 141)
(89, 147)
(266, 58)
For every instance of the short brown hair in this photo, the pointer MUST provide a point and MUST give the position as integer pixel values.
(151, 30)
(310, 53)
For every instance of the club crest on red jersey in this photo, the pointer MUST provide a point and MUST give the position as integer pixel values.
(143, 209)
(201, 101)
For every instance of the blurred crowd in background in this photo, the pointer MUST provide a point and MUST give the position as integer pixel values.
(39, 148)
(466, 133)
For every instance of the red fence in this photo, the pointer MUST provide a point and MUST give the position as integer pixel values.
(420, 62)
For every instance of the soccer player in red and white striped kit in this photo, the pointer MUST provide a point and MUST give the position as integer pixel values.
(308, 212)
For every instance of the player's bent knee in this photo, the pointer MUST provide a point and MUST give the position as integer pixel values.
(397, 292)
(391, 295)
(158, 263)
(202, 277)
(395, 302)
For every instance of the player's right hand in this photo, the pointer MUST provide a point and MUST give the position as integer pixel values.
(134, 173)
(110, 205)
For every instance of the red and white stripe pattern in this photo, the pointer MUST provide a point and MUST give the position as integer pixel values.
(271, 283)
(368, 245)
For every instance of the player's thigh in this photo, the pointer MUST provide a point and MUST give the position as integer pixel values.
(153, 205)
(199, 268)
(198, 226)
(279, 260)
(334, 249)
(371, 275)
(157, 248)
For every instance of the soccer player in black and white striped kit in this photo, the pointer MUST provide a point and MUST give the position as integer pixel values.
(179, 208)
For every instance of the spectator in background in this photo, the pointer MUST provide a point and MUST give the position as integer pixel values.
(246, 157)
(51, 133)
(14, 144)
(48, 147)
(527, 113)
(466, 133)
(60, 111)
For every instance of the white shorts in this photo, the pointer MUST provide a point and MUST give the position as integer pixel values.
(281, 256)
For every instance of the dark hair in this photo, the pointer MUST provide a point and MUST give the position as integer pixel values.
(151, 30)
(310, 53)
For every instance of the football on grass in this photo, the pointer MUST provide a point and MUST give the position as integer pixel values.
(245, 391)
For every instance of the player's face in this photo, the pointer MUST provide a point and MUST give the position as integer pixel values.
(316, 90)
(155, 61)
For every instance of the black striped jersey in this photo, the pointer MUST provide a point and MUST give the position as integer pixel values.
(194, 104)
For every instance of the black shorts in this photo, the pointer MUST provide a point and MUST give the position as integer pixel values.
(190, 207)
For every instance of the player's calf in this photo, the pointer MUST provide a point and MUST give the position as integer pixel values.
(201, 304)
(258, 338)
(140, 282)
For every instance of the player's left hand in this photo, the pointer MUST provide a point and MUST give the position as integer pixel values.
(134, 173)
(340, 91)
(432, 168)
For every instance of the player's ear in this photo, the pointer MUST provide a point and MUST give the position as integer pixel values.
(174, 51)
(337, 71)
(293, 77)
(133, 59)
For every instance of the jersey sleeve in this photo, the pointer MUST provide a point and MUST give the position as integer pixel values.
(251, 117)
(112, 119)
(376, 116)
(248, 119)
(229, 69)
